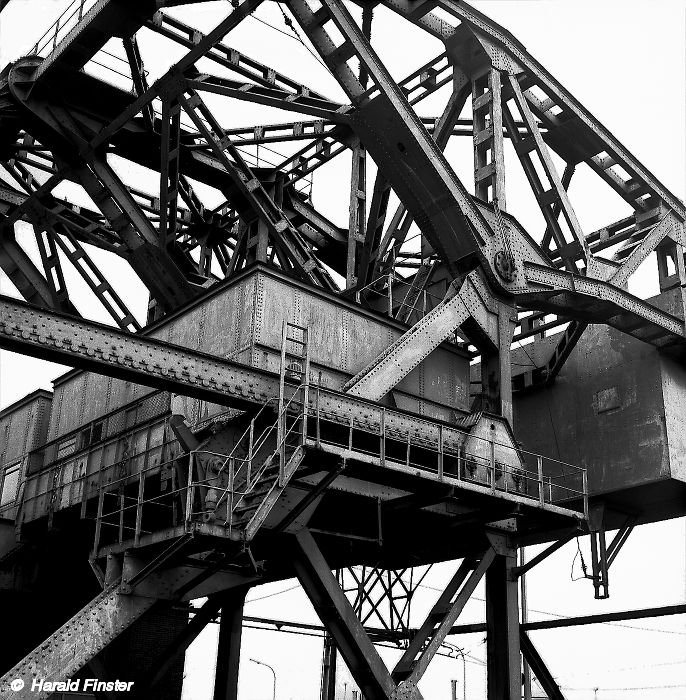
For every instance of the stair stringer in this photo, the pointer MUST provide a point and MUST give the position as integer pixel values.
(268, 502)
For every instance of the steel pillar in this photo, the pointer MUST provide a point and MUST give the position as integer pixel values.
(328, 691)
(502, 624)
(496, 367)
(229, 646)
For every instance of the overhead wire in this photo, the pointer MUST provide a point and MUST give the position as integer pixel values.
(289, 23)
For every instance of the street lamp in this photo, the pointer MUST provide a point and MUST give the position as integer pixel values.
(464, 674)
(261, 663)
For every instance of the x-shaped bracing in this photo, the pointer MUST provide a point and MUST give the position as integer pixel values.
(372, 676)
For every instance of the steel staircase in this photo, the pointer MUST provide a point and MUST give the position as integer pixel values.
(252, 507)
(225, 495)
(251, 495)
(413, 294)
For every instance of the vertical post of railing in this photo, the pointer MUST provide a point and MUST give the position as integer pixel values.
(280, 421)
(281, 448)
(319, 434)
(492, 458)
(584, 479)
(390, 294)
(424, 303)
(57, 28)
(98, 522)
(189, 487)
(306, 395)
(382, 438)
(541, 495)
(230, 488)
(350, 434)
(174, 484)
(122, 503)
(248, 469)
(81, 9)
(440, 452)
(139, 508)
(407, 456)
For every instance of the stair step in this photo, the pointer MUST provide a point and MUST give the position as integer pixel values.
(241, 510)
(242, 518)
(256, 493)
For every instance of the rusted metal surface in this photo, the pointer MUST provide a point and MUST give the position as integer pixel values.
(628, 421)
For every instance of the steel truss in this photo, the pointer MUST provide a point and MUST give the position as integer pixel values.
(60, 124)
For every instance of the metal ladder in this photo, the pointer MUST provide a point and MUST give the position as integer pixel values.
(295, 366)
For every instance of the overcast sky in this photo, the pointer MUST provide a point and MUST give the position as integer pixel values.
(624, 60)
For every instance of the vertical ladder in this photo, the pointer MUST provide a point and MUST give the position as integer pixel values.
(292, 416)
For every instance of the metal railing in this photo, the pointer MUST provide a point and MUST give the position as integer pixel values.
(71, 16)
(117, 68)
(386, 295)
(242, 477)
(215, 483)
(441, 449)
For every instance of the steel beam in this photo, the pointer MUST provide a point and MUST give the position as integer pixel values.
(253, 192)
(80, 343)
(428, 639)
(140, 82)
(229, 645)
(335, 611)
(470, 300)
(397, 139)
(25, 276)
(559, 291)
(420, 12)
(538, 666)
(357, 218)
(228, 57)
(80, 639)
(400, 224)
(502, 624)
(163, 662)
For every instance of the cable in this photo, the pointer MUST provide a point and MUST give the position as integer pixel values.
(638, 687)
(569, 617)
(578, 553)
(271, 595)
(289, 23)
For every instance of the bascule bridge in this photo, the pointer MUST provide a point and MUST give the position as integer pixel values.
(303, 396)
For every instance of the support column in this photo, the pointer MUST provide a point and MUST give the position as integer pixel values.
(496, 367)
(229, 646)
(328, 691)
(502, 624)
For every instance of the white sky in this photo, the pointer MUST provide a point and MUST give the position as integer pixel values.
(624, 60)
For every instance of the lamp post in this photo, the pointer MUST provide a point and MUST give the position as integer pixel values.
(464, 676)
(261, 663)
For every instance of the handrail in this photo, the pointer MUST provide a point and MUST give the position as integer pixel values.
(61, 23)
(252, 479)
